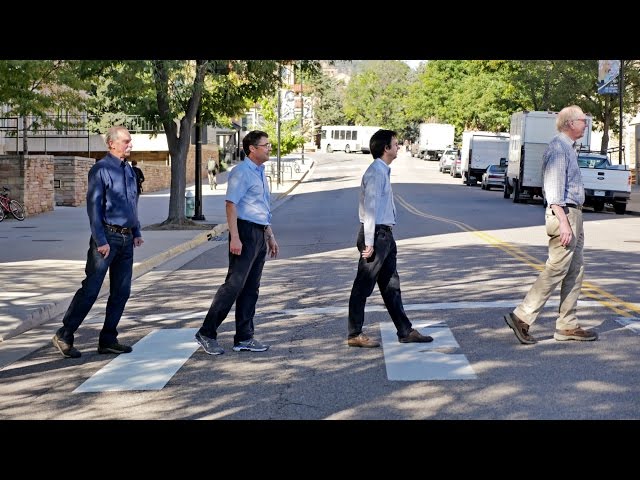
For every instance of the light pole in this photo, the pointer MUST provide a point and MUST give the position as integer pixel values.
(198, 174)
(278, 136)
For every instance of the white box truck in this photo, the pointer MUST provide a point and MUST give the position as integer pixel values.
(530, 133)
(434, 139)
(479, 150)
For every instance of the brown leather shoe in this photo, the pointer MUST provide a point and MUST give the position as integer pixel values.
(520, 328)
(362, 341)
(575, 334)
(415, 337)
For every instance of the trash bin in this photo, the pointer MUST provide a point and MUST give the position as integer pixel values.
(189, 204)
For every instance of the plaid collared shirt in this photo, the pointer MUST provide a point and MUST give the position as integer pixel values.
(561, 174)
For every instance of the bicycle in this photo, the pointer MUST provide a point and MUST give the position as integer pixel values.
(13, 206)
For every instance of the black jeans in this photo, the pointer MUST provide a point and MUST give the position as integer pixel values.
(119, 263)
(241, 285)
(380, 269)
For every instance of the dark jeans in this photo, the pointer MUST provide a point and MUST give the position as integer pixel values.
(119, 263)
(380, 269)
(241, 285)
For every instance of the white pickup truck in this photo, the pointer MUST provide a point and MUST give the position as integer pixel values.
(604, 182)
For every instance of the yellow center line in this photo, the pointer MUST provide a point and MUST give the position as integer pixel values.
(589, 289)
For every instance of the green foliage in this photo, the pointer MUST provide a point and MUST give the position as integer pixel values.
(328, 96)
(376, 95)
(47, 90)
(290, 137)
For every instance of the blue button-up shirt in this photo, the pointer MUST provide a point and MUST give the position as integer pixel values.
(112, 197)
(376, 206)
(247, 188)
(561, 174)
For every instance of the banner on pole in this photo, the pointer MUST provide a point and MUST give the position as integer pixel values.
(608, 72)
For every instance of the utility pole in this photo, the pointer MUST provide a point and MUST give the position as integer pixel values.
(198, 176)
(620, 95)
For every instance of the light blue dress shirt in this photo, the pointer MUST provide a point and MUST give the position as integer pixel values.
(247, 188)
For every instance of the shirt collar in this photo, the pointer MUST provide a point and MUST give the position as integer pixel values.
(565, 138)
(382, 162)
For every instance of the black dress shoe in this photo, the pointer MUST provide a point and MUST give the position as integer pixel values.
(114, 348)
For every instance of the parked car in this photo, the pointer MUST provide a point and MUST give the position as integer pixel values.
(493, 177)
(447, 159)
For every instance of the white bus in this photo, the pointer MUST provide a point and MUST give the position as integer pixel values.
(347, 138)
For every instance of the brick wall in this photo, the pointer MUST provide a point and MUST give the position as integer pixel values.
(30, 179)
(70, 180)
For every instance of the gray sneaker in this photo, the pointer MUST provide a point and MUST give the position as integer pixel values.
(209, 345)
(251, 345)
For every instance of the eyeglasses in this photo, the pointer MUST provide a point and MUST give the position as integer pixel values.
(268, 145)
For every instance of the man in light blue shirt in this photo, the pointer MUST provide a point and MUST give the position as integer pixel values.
(250, 236)
(564, 193)
(377, 247)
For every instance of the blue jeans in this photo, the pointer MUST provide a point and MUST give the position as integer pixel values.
(119, 263)
(380, 269)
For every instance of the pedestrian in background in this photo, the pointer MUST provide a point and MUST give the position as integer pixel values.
(564, 194)
(250, 236)
(212, 171)
(139, 175)
(377, 247)
(112, 206)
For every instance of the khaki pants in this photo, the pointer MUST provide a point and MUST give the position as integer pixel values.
(564, 266)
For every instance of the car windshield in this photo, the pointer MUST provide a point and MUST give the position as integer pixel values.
(497, 168)
(592, 161)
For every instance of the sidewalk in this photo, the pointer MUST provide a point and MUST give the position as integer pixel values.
(42, 258)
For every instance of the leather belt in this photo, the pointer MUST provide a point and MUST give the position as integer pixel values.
(386, 228)
(253, 224)
(573, 205)
(118, 229)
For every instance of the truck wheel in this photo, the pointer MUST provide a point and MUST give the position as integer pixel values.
(347, 149)
(620, 208)
(598, 206)
(329, 149)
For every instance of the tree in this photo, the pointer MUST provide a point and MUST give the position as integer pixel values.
(554, 84)
(290, 135)
(170, 93)
(328, 94)
(376, 95)
(36, 88)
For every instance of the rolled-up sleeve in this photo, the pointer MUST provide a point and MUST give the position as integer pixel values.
(555, 175)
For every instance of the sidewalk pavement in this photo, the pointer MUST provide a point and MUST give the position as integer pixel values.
(43, 257)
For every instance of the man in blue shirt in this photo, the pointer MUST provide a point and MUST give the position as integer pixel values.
(564, 193)
(377, 247)
(250, 236)
(112, 206)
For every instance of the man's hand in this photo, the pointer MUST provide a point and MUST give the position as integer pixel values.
(367, 252)
(137, 241)
(235, 246)
(273, 246)
(104, 250)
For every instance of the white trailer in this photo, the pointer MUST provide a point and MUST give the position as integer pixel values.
(434, 139)
(479, 150)
(530, 133)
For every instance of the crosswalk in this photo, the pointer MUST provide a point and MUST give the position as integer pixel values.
(160, 355)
